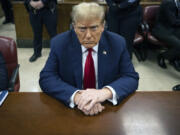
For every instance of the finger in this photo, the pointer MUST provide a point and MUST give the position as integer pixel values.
(85, 99)
(80, 97)
(82, 103)
(77, 101)
(80, 100)
(102, 107)
(95, 108)
(77, 97)
(85, 112)
(92, 112)
(90, 105)
(99, 107)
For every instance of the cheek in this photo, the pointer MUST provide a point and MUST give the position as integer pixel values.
(80, 37)
(98, 36)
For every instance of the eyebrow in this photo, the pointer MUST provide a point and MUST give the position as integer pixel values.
(88, 27)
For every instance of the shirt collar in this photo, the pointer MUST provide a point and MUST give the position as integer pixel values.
(95, 48)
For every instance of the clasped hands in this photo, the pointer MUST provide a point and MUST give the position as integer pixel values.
(37, 4)
(89, 100)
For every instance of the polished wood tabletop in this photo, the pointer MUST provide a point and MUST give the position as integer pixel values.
(143, 113)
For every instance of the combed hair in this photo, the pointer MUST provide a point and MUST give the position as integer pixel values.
(87, 10)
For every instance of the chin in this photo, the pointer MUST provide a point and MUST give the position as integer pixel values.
(87, 45)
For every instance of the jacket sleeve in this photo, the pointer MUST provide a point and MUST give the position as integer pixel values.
(26, 4)
(51, 82)
(127, 82)
(169, 9)
(27, 1)
(3, 74)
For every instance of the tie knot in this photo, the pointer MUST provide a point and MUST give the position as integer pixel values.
(90, 50)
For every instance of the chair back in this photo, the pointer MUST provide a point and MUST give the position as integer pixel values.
(9, 52)
(150, 14)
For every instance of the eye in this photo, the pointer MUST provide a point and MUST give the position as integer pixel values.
(94, 28)
(82, 29)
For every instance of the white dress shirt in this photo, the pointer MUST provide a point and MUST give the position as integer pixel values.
(95, 59)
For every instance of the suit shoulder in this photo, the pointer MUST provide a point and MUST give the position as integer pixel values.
(60, 38)
(62, 41)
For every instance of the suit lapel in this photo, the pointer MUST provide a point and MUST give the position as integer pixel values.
(76, 55)
(103, 54)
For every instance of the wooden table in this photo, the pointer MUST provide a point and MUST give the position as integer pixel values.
(143, 113)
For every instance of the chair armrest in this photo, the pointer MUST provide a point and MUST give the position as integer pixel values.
(13, 78)
(141, 29)
(146, 26)
(142, 26)
(144, 29)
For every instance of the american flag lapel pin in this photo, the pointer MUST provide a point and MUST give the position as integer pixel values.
(104, 52)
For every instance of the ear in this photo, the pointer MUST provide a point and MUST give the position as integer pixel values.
(105, 25)
(71, 26)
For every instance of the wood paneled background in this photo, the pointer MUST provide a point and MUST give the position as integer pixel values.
(24, 31)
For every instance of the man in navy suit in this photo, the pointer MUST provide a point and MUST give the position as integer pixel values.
(88, 65)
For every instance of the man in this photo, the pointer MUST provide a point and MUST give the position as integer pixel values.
(124, 17)
(8, 12)
(3, 74)
(88, 65)
(167, 29)
(41, 12)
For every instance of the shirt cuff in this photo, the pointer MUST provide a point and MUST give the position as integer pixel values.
(114, 98)
(72, 104)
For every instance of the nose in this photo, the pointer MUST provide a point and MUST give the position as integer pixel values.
(88, 34)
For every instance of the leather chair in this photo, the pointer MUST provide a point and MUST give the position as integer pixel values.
(9, 51)
(138, 40)
(139, 44)
(149, 17)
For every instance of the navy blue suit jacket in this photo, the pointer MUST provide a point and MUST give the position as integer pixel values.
(62, 74)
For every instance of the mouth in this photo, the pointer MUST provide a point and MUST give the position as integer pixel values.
(88, 42)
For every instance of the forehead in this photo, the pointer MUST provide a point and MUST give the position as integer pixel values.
(88, 22)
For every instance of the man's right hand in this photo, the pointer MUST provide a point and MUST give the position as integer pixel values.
(97, 108)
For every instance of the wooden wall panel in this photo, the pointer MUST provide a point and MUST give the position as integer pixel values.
(23, 27)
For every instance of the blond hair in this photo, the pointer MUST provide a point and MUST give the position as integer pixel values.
(87, 10)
